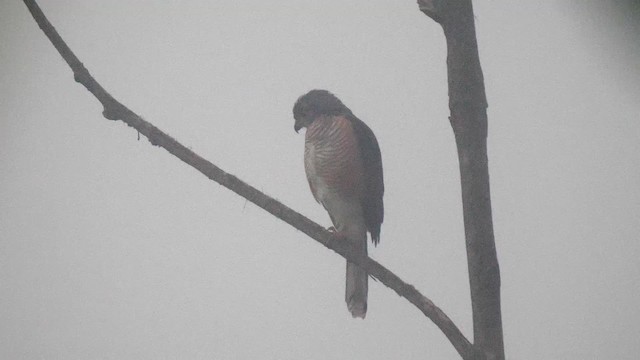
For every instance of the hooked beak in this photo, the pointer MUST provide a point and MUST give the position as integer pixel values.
(297, 126)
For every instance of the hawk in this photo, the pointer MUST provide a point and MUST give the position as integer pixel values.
(344, 169)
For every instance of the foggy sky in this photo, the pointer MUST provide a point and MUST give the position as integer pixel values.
(111, 248)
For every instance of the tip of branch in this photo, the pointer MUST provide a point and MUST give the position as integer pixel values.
(428, 7)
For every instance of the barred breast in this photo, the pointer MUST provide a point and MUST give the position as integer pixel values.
(332, 158)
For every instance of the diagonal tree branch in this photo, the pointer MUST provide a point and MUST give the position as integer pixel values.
(114, 110)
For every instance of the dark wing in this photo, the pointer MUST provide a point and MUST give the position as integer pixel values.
(374, 184)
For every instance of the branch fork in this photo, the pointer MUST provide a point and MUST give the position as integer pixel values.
(114, 110)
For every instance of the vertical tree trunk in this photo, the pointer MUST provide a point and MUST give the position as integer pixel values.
(468, 104)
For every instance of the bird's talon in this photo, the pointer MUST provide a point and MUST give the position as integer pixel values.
(337, 234)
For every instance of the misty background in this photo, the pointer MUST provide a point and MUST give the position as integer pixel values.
(111, 248)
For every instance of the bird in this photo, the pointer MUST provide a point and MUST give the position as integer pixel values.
(343, 165)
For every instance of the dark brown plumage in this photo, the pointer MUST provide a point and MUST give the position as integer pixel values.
(344, 170)
(322, 103)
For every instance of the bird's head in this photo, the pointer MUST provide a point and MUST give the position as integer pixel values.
(316, 103)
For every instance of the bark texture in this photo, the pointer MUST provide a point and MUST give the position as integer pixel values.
(468, 106)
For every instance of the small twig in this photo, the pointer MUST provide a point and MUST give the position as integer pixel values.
(114, 110)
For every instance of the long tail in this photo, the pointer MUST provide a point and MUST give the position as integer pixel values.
(357, 285)
(357, 288)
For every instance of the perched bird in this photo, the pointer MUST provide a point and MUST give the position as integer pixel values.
(344, 169)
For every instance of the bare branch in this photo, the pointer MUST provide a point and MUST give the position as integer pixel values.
(114, 110)
(468, 106)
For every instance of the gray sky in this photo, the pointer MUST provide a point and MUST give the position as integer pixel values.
(110, 248)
